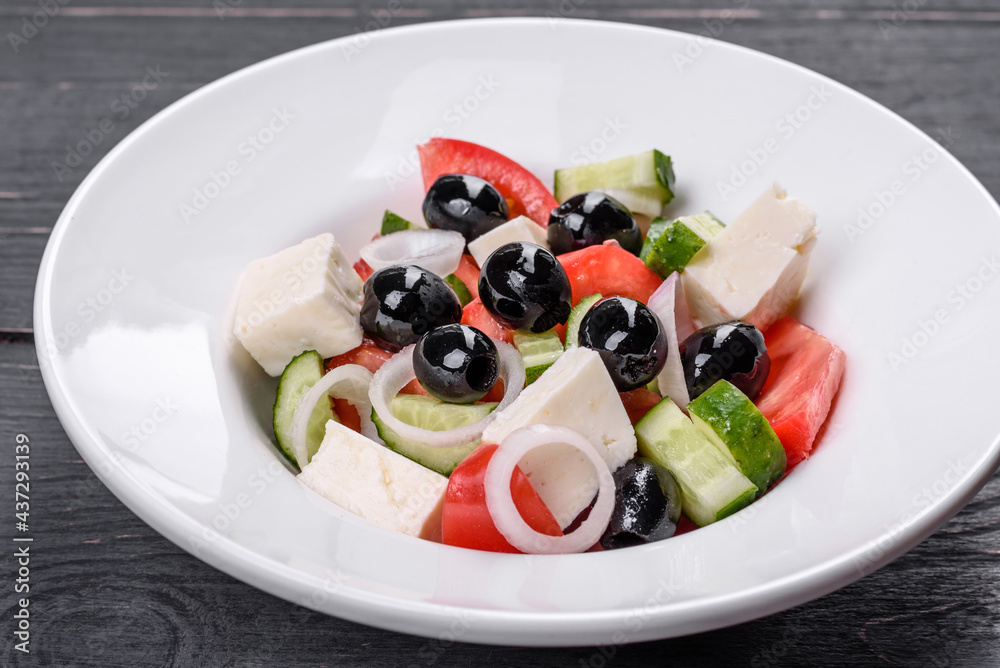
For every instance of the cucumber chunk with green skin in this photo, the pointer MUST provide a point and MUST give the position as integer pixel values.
(712, 488)
(731, 421)
(298, 377)
(539, 352)
(460, 288)
(576, 317)
(429, 413)
(643, 182)
(656, 229)
(393, 223)
(678, 241)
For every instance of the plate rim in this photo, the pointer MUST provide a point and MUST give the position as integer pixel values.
(524, 628)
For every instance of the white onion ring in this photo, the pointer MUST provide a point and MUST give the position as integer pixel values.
(398, 371)
(437, 251)
(349, 382)
(501, 504)
(671, 379)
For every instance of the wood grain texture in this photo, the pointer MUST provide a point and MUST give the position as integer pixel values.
(111, 592)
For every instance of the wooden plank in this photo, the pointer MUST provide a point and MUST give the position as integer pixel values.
(110, 591)
(20, 255)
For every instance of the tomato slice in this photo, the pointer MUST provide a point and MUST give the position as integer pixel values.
(638, 402)
(805, 375)
(364, 271)
(465, 519)
(610, 270)
(526, 195)
(371, 357)
(475, 315)
(468, 272)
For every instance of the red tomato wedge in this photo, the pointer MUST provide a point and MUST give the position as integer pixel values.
(638, 402)
(465, 519)
(610, 270)
(805, 375)
(475, 315)
(525, 194)
(364, 271)
(468, 272)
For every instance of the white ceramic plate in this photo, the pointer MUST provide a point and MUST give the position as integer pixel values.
(134, 298)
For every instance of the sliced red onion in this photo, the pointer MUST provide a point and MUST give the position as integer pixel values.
(663, 303)
(398, 371)
(437, 251)
(349, 382)
(683, 322)
(508, 519)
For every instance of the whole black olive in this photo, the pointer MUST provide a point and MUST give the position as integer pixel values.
(465, 204)
(590, 219)
(732, 351)
(525, 286)
(456, 363)
(629, 338)
(647, 505)
(402, 303)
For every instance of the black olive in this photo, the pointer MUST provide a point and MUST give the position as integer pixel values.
(647, 505)
(732, 351)
(466, 204)
(525, 286)
(590, 219)
(456, 363)
(402, 303)
(629, 338)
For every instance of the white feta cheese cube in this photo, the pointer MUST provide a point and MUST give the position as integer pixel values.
(521, 228)
(753, 269)
(307, 297)
(377, 484)
(575, 392)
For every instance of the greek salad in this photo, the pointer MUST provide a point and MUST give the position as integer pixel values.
(545, 372)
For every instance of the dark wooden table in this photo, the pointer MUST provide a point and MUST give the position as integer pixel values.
(106, 590)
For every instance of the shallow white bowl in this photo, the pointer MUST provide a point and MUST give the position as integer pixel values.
(134, 298)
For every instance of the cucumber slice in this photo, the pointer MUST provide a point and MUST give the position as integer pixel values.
(393, 223)
(576, 317)
(677, 241)
(301, 374)
(656, 229)
(429, 413)
(539, 352)
(460, 288)
(711, 486)
(643, 182)
(730, 420)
